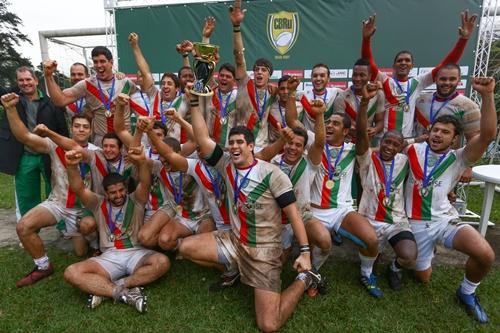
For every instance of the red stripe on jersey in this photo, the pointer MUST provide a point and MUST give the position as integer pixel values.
(273, 121)
(392, 118)
(421, 118)
(100, 166)
(138, 108)
(72, 107)
(390, 98)
(251, 94)
(350, 110)
(156, 106)
(71, 196)
(307, 106)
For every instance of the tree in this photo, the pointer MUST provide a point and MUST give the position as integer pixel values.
(10, 36)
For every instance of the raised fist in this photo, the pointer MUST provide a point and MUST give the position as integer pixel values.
(41, 130)
(133, 39)
(10, 101)
(73, 157)
(122, 99)
(293, 83)
(49, 67)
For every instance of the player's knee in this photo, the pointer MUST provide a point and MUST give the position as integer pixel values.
(324, 242)
(407, 262)
(166, 242)
(162, 263)
(486, 257)
(22, 228)
(268, 325)
(70, 274)
(87, 226)
(145, 239)
(80, 251)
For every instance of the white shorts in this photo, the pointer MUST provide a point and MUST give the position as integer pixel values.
(120, 263)
(68, 215)
(331, 218)
(428, 234)
(386, 231)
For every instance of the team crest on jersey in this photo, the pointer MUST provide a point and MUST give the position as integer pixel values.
(282, 30)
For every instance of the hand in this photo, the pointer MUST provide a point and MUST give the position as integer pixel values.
(273, 89)
(10, 101)
(136, 154)
(292, 83)
(452, 197)
(73, 157)
(369, 90)
(318, 107)
(122, 99)
(466, 176)
(187, 92)
(41, 130)
(49, 67)
(133, 39)
(370, 131)
(209, 27)
(369, 27)
(483, 85)
(236, 14)
(120, 76)
(184, 47)
(286, 134)
(145, 124)
(171, 113)
(303, 262)
(422, 138)
(468, 24)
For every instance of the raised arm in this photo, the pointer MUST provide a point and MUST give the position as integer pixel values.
(291, 116)
(185, 48)
(17, 127)
(362, 138)
(208, 29)
(87, 197)
(368, 30)
(236, 14)
(136, 155)
(122, 101)
(316, 149)
(206, 144)
(286, 135)
(62, 141)
(476, 146)
(142, 64)
(59, 98)
(464, 32)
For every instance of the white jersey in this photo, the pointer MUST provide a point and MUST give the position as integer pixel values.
(219, 112)
(426, 193)
(333, 189)
(277, 116)
(305, 98)
(376, 203)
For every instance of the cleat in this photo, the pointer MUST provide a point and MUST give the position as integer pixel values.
(370, 284)
(395, 279)
(93, 301)
(35, 275)
(472, 306)
(317, 284)
(225, 281)
(135, 298)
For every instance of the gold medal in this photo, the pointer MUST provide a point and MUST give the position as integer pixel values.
(218, 202)
(406, 108)
(178, 209)
(329, 184)
(223, 120)
(424, 191)
(386, 201)
(107, 113)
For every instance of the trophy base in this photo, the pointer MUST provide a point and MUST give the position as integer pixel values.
(207, 92)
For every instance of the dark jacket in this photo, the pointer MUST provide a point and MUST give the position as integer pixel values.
(11, 150)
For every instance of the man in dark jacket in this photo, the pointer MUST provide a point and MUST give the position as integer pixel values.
(29, 167)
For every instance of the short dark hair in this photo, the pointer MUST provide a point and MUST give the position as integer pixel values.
(183, 68)
(228, 67)
(174, 78)
(301, 132)
(101, 50)
(264, 63)
(85, 68)
(172, 143)
(112, 135)
(159, 125)
(395, 133)
(113, 178)
(320, 64)
(284, 78)
(26, 69)
(362, 62)
(81, 116)
(346, 120)
(450, 119)
(249, 137)
(403, 52)
(451, 65)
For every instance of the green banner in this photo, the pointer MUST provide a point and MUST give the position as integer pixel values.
(295, 35)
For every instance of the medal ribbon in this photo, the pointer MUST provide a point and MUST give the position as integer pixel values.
(329, 163)
(214, 183)
(283, 119)
(112, 224)
(236, 187)
(281, 167)
(260, 110)
(433, 115)
(79, 105)
(407, 92)
(223, 109)
(387, 180)
(427, 177)
(109, 165)
(146, 103)
(177, 193)
(162, 113)
(107, 104)
(324, 96)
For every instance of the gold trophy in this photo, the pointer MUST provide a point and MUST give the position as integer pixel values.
(204, 65)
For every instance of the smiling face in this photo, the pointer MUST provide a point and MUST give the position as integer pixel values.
(335, 131)
(447, 80)
(320, 77)
(226, 81)
(360, 77)
(111, 149)
(186, 75)
(390, 145)
(117, 194)
(441, 137)
(241, 152)
(81, 130)
(168, 89)
(103, 67)
(402, 66)
(293, 150)
(27, 83)
(261, 76)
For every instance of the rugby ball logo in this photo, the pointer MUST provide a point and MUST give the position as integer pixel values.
(282, 30)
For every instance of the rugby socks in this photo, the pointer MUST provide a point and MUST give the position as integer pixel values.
(42, 263)
(366, 264)
(118, 292)
(120, 282)
(468, 287)
(319, 257)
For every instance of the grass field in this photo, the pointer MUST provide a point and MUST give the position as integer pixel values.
(181, 302)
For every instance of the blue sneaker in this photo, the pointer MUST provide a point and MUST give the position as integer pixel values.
(370, 284)
(472, 306)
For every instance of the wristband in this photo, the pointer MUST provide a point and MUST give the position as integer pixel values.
(185, 54)
(195, 103)
(237, 52)
(304, 248)
(410, 141)
(236, 28)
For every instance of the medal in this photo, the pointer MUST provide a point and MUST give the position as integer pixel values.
(407, 93)
(218, 202)
(178, 209)
(386, 201)
(237, 187)
(329, 184)
(333, 172)
(406, 108)
(424, 191)
(177, 192)
(223, 121)
(428, 178)
(107, 113)
(107, 105)
(111, 238)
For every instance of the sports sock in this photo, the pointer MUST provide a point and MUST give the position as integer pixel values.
(306, 278)
(366, 264)
(42, 263)
(118, 292)
(120, 282)
(395, 267)
(318, 257)
(468, 287)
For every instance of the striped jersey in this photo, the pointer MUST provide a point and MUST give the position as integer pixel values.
(277, 116)
(255, 214)
(373, 180)
(100, 168)
(305, 98)
(219, 111)
(432, 204)
(340, 194)
(253, 105)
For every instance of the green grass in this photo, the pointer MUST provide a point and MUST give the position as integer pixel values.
(7, 192)
(180, 302)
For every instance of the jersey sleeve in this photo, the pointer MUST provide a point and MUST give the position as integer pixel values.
(78, 90)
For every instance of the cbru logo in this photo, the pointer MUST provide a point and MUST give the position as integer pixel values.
(282, 30)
